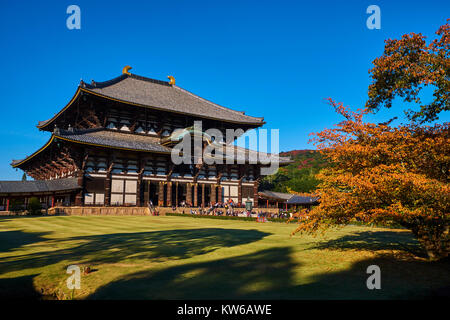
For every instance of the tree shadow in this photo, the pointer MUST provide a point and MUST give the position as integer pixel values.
(375, 241)
(270, 274)
(401, 279)
(10, 240)
(267, 274)
(18, 288)
(266, 271)
(120, 247)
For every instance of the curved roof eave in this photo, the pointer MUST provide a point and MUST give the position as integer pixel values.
(55, 136)
(20, 162)
(81, 89)
(49, 121)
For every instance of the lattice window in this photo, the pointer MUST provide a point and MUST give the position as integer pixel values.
(124, 125)
(212, 172)
(132, 166)
(149, 169)
(139, 129)
(101, 165)
(90, 165)
(118, 167)
(234, 173)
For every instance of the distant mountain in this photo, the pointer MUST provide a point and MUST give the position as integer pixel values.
(299, 176)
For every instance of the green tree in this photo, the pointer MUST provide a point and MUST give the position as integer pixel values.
(299, 176)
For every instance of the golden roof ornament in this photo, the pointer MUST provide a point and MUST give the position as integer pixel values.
(171, 80)
(126, 69)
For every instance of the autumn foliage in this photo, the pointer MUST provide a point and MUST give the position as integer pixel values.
(392, 175)
(384, 174)
(407, 66)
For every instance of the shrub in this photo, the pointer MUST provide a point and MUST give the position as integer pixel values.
(34, 207)
(16, 205)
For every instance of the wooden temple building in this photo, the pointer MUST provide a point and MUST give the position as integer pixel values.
(286, 201)
(107, 149)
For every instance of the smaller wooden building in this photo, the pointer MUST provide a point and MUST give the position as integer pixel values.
(272, 199)
(49, 192)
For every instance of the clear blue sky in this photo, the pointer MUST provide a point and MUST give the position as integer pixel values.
(276, 59)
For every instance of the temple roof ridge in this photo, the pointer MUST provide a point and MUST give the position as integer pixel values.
(156, 94)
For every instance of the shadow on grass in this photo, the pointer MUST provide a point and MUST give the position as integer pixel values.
(119, 247)
(115, 248)
(18, 288)
(10, 240)
(269, 274)
(267, 270)
(375, 241)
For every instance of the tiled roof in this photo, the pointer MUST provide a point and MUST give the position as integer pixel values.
(251, 154)
(134, 142)
(302, 200)
(242, 155)
(41, 123)
(39, 186)
(161, 95)
(114, 139)
(288, 197)
(276, 195)
(118, 139)
(14, 162)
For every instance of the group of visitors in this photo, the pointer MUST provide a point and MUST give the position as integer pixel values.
(229, 208)
(233, 212)
(227, 204)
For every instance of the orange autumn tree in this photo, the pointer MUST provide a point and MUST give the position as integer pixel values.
(384, 174)
(407, 66)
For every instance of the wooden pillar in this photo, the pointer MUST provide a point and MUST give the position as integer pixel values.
(203, 195)
(147, 186)
(139, 184)
(267, 203)
(108, 190)
(161, 194)
(240, 192)
(79, 196)
(169, 194)
(176, 195)
(53, 200)
(213, 194)
(255, 194)
(7, 204)
(219, 193)
(195, 195)
(107, 186)
(189, 194)
(138, 192)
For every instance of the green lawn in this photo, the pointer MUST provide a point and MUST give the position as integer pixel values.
(148, 257)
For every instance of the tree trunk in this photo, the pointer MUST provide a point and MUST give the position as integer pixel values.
(434, 238)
